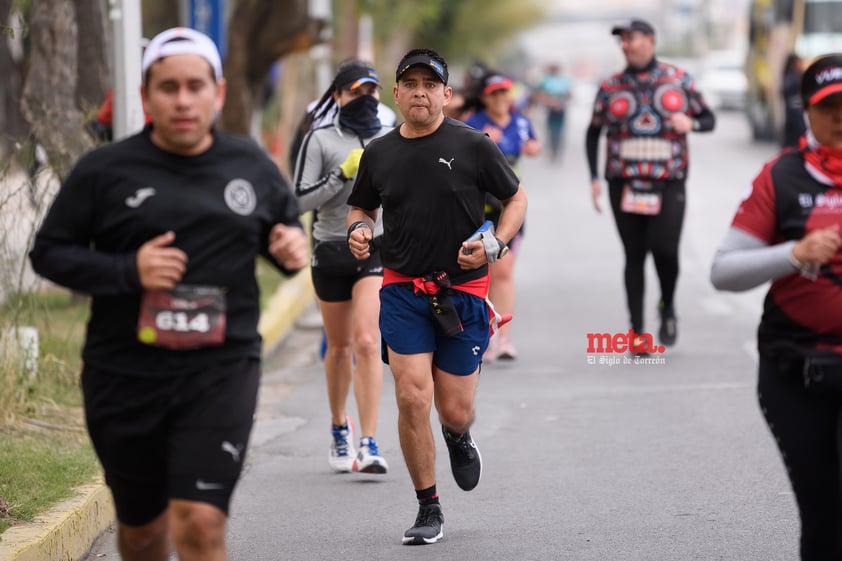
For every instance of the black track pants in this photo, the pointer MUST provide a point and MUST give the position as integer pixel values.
(807, 426)
(657, 234)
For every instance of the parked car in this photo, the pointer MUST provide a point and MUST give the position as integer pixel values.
(723, 80)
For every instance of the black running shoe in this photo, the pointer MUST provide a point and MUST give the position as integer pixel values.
(465, 460)
(638, 347)
(668, 332)
(428, 527)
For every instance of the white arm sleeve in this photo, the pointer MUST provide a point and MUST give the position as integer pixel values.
(743, 261)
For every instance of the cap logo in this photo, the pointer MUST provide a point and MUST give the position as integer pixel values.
(829, 75)
(421, 59)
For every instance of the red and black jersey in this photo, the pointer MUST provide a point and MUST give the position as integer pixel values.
(634, 107)
(786, 202)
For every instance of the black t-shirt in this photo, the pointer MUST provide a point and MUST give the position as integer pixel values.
(432, 190)
(221, 205)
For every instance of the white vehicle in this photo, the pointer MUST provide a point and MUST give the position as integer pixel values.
(723, 80)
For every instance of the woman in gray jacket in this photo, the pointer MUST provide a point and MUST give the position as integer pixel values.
(347, 290)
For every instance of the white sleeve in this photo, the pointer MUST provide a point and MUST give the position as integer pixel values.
(743, 261)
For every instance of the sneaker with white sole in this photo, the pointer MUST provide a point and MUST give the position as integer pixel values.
(369, 459)
(465, 459)
(428, 527)
(342, 453)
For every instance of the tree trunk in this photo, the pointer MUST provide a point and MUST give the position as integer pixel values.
(47, 105)
(11, 119)
(261, 32)
(94, 76)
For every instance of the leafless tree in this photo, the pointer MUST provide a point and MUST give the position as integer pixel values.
(259, 33)
(91, 51)
(48, 102)
(12, 125)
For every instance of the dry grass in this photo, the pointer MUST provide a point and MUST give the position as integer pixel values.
(46, 450)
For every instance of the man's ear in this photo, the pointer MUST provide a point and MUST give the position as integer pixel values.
(143, 97)
(221, 89)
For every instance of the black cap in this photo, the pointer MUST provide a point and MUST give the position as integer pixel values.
(634, 25)
(354, 74)
(424, 60)
(821, 79)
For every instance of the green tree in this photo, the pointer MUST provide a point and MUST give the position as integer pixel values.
(461, 30)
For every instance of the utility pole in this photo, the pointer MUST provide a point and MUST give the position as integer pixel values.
(126, 27)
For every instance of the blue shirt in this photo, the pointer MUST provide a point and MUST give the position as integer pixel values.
(515, 134)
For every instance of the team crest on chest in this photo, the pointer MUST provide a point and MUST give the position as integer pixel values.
(240, 197)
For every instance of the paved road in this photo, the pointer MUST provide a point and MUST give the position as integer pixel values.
(582, 461)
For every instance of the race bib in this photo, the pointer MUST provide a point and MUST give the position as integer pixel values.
(184, 317)
(640, 198)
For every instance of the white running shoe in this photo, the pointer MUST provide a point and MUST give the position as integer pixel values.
(342, 453)
(369, 459)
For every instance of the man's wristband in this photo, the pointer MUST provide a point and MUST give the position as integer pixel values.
(504, 249)
(356, 226)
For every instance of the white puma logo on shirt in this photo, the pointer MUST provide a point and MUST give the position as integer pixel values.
(233, 450)
(447, 163)
(140, 196)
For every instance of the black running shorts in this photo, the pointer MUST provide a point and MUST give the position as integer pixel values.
(332, 286)
(182, 437)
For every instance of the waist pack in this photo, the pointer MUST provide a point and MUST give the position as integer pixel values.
(823, 372)
(437, 288)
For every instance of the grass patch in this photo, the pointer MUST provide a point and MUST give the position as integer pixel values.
(46, 451)
(41, 467)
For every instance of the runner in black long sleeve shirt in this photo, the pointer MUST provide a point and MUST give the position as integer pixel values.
(162, 230)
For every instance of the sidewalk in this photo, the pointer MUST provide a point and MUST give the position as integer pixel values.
(66, 532)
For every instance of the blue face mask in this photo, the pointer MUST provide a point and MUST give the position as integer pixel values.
(360, 115)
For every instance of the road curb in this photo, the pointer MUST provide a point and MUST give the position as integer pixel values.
(67, 531)
(289, 301)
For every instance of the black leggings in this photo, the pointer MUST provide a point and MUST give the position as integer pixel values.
(641, 234)
(807, 426)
